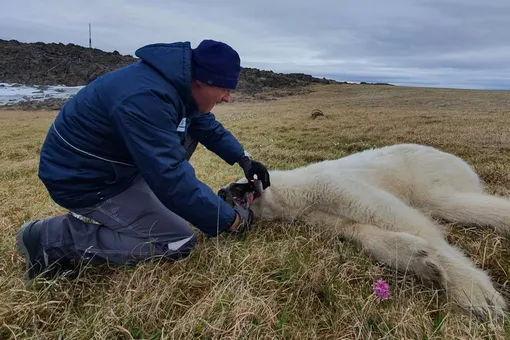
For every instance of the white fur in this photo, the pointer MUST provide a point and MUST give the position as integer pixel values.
(383, 200)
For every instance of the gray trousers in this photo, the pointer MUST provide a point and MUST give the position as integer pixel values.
(134, 226)
(129, 228)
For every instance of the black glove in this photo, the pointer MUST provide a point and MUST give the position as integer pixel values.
(245, 217)
(252, 168)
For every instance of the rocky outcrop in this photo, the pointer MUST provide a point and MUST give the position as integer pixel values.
(55, 64)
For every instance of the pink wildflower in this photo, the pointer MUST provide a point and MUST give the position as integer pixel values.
(381, 289)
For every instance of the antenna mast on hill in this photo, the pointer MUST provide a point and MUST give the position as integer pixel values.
(90, 36)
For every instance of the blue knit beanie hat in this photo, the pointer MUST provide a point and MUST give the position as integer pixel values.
(216, 63)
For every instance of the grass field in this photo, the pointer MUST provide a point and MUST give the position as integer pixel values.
(280, 281)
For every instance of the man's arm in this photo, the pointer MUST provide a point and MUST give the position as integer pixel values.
(148, 127)
(211, 133)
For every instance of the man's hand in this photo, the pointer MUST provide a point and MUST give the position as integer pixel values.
(252, 168)
(243, 220)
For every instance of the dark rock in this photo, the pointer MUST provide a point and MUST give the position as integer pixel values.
(29, 105)
(53, 64)
(378, 83)
(318, 114)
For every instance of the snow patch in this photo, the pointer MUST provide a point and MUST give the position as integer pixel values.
(15, 93)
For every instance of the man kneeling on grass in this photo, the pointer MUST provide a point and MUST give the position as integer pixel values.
(117, 155)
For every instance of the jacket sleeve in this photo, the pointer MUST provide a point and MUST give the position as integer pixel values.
(148, 127)
(211, 133)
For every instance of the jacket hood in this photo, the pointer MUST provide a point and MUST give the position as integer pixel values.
(172, 61)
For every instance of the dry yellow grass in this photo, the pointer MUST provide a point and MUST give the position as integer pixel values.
(280, 281)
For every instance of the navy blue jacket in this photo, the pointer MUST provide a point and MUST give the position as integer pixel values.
(135, 121)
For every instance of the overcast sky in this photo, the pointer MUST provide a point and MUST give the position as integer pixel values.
(446, 43)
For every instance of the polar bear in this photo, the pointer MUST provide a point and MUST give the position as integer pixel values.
(384, 199)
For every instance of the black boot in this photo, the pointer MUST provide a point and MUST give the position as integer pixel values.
(29, 246)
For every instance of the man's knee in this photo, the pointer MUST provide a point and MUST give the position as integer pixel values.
(181, 248)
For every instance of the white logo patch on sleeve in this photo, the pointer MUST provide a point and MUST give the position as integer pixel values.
(182, 125)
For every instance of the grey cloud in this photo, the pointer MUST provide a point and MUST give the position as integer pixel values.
(451, 43)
